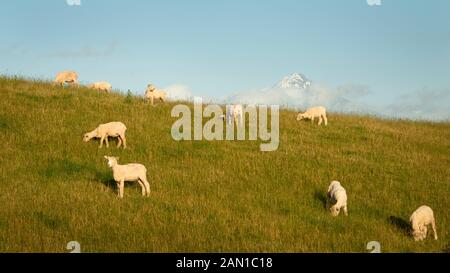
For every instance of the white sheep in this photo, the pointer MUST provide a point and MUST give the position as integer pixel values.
(315, 112)
(420, 219)
(130, 173)
(101, 86)
(236, 113)
(154, 94)
(69, 77)
(103, 131)
(337, 197)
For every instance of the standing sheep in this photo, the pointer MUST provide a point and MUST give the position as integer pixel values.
(130, 173)
(101, 86)
(154, 94)
(69, 77)
(236, 113)
(315, 112)
(337, 197)
(420, 219)
(112, 129)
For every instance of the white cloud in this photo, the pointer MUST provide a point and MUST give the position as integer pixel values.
(426, 104)
(178, 92)
(353, 90)
(334, 99)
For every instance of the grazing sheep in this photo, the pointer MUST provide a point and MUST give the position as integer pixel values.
(69, 77)
(237, 113)
(154, 94)
(130, 173)
(101, 86)
(112, 129)
(337, 197)
(315, 112)
(420, 219)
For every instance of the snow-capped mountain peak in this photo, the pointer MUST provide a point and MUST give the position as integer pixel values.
(294, 81)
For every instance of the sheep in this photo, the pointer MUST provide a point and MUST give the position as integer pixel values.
(313, 113)
(237, 113)
(112, 129)
(152, 93)
(70, 77)
(101, 86)
(337, 197)
(130, 173)
(419, 220)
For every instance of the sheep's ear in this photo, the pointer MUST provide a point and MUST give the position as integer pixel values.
(105, 157)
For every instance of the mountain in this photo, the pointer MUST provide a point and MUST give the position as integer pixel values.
(294, 81)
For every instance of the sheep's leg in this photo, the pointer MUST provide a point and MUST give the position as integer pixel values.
(151, 99)
(312, 120)
(326, 120)
(433, 225)
(143, 189)
(107, 142)
(147, 185)
(101, 142)
(320, 121)
(345, 211)
(121, 186)
(119, 141)
(124, 141)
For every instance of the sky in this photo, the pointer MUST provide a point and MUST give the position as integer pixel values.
(392, 58)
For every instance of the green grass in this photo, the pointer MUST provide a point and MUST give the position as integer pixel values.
(210, 196)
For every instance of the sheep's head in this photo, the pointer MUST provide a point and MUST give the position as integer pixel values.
(150, 88)
(300, 117)
(111, 160)
(334, 211)
(417, 234)
(88, 136)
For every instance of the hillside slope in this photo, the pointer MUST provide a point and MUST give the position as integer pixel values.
(210, 196)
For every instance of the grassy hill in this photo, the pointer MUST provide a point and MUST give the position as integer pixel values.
(210, 196)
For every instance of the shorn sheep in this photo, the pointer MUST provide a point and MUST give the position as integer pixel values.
(129, 173)
(112, 129)
(420, 219)
(101, 86)
(69, 77)
(315, 112)
(153, 94)
(236, 113)
(337, 198)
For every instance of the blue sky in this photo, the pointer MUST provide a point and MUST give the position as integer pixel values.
(219, 48)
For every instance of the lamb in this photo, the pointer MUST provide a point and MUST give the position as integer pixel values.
(69, 77)
(152, 93)
(130, 173)
(112, 129)
(235, 112)
(315, 112)
(101, 86)
(337, 196)
(420, 219)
